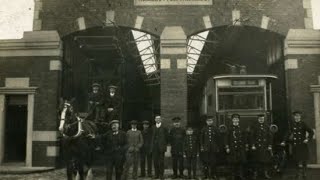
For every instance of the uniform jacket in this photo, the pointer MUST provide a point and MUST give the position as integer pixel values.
(236, 142)
(159, 138)
(191, 145)
(297, 134)
(176, 139)
(261, 138)
(210, 139)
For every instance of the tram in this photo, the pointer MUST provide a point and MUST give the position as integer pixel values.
(245, 94)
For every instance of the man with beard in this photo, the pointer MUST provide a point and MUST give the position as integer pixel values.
(235, 146)
(176, 139)
(209, 145)
(115, 143)
(300, 134)
(159, 143)
(261, 139)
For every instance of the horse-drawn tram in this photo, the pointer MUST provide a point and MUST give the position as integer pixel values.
(245, 94)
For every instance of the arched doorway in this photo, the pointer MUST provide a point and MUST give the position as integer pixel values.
(119, 56)
(259, 50)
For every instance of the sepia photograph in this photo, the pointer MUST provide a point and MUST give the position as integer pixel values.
(159, 89)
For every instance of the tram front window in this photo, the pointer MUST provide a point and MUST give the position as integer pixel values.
(241, 98)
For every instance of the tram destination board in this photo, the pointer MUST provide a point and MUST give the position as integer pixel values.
(171, 2)
(245, 82)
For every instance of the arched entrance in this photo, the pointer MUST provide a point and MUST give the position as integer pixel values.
(221, 48)
(119, 56)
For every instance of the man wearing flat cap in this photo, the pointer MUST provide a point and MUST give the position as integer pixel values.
(115, 143)
(95, 103)
(112, 103)
(176, 139)
(145, 151)
(300, 134)
(135, 142)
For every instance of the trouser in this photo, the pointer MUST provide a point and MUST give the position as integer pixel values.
(209, 164)
(114, 162)
(192, 165)
(132, 159)
(237, 169)
(158, 160)
(146, 156)
(177, 163)
(261, 167)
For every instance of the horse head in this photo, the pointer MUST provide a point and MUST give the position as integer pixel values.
(72, 125)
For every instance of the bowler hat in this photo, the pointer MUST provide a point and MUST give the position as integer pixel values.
(261, 115)
(112, 87)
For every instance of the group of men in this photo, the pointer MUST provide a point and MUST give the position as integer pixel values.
(124, 149)
(241, 147)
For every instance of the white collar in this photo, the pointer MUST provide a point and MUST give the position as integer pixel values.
(135, 129)
(115, 132)
(158, 125)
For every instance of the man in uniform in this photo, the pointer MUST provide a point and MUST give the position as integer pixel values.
(191, 149)
(135, 141)
(300, 134)
(112, 104)
(145, 152)
(95, 104)
(159, 143)
(261, 139)
(115, 143)
(235, 146)
(176, 140)
(209, 144)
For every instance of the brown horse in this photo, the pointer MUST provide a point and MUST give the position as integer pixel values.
(77, 142)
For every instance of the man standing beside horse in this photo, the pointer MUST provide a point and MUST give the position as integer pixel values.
(115, 145)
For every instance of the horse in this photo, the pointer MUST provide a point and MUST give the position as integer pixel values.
(77, 141)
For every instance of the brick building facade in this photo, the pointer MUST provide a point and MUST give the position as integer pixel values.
(32, 66)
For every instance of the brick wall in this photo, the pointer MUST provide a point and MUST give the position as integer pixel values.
(37, 68)
(61, 15)
(298, 90)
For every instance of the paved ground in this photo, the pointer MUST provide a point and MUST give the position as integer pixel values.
(99, 174)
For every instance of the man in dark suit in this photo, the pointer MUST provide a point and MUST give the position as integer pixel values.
(236, 146)
(159, 143)
(210, 142)
(300, 134)
(115, 146)
(145, 152)
(176, 140)
(261, 139)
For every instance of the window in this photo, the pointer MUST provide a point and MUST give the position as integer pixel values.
(241, 98)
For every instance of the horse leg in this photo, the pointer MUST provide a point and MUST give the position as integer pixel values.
(70, 170)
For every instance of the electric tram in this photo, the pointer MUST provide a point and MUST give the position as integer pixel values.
(245, 94)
